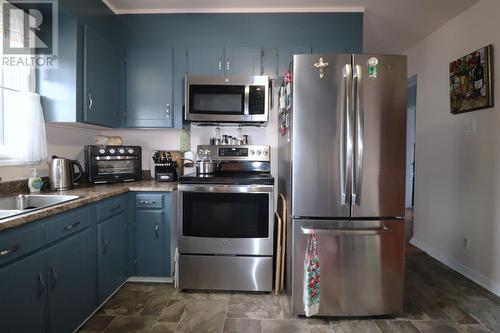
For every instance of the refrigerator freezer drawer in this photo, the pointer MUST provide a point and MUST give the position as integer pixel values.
(226, 273)
(362, 266)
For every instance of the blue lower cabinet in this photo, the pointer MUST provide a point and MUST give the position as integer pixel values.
(113, 240)
(71, 281)
(150, 238)
(23, 289)
(152, 235)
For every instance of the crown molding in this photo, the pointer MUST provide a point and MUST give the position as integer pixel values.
(222, 10)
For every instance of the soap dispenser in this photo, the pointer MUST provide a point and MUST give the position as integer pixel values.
(35, 183)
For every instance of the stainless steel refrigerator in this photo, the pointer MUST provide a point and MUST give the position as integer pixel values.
(342, 171)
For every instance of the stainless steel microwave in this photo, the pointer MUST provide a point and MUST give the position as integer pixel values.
(226, 99)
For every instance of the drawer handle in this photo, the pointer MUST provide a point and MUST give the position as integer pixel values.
(147, 202)
(41, 285)
(157, 228)
(71, 226)
(115, 208)
(9, 251)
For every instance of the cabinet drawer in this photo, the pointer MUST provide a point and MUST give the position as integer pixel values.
(16, 243)
(66, 224)
(110, 207)
(149, 201)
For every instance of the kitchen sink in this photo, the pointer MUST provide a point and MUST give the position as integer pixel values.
(23, 203)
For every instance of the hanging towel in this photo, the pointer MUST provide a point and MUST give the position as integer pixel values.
(312, 276)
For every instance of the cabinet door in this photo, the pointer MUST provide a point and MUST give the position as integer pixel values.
(242, 60)
(205, 60)
(72, 282)
(99, 84)
(150, 243)
(22, 295)
(149, 87)
(112, 254)
(285, 55)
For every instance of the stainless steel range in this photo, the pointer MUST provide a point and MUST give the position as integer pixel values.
(226, 221)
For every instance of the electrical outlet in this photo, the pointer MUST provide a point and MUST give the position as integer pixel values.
(466, 243)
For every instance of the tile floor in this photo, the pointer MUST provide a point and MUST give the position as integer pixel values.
(438, 300)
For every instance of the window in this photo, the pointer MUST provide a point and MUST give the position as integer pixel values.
(22, 128)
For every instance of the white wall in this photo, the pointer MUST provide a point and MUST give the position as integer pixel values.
(68, 141)
(457, 189)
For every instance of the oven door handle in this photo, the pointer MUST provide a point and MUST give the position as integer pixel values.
(210, 188)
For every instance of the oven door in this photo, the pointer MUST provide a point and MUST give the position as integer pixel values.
(226, 219)
(115, 168)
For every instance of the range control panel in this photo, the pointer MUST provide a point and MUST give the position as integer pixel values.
(235, 153)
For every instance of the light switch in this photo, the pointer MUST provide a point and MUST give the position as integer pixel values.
(469, 125)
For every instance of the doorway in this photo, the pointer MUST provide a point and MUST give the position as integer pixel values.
(411, 108)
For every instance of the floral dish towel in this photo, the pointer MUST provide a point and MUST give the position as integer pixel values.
(311, 276)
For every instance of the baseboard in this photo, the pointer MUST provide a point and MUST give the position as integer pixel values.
(454, 264)
(150, 279)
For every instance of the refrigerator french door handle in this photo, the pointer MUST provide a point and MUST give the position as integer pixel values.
(345, 232)
(345, 137)
(357, 93)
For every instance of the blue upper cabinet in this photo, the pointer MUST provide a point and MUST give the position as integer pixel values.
(60, 89)
(215, 60)
(205, 60)
(285, 55)
(99, 98)
(149, 87)
(243, 60)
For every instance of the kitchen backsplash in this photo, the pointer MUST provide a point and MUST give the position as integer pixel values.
(69, 141)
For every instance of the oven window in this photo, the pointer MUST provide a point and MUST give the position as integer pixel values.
(115, 167)
(226, 215)
(217, 99)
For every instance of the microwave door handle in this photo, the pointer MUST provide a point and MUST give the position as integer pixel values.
(246, 109)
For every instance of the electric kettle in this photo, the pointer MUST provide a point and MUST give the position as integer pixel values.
(62, 173)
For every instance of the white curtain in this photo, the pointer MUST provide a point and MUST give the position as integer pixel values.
(24, 134)
(24, 137)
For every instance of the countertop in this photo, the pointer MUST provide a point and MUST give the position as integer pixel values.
(88, 194)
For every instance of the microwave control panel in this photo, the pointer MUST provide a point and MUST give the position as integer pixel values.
(257, 100)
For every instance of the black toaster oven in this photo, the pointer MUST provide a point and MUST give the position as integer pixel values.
(110, 164)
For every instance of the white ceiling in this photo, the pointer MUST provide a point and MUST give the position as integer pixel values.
(390, 26)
